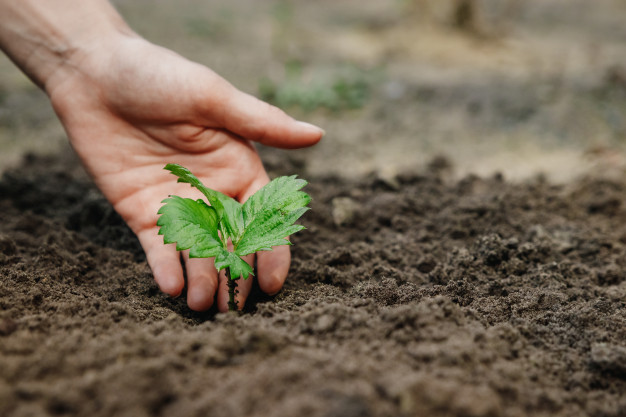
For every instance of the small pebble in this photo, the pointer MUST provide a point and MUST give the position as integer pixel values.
(343, 210)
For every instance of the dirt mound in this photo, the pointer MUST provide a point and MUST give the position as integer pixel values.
(407, 296)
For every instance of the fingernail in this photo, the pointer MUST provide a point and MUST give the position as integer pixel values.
(312, 128)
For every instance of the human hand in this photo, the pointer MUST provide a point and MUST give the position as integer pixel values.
(130, 107)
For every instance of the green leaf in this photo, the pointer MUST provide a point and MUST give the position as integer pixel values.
(238, 267)
(281, 194)
(191, 225)
(229, 211)
(270, 213)
(264, 221)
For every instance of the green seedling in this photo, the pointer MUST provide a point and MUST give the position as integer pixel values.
(345, 88)
(265, 220)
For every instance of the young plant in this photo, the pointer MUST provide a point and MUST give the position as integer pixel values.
(265, 220)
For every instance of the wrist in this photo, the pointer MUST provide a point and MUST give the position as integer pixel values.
(86, 57)
(50, 40)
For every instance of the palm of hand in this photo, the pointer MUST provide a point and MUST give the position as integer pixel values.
(152, 107)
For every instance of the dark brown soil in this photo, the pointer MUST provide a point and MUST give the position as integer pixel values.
(412, 296)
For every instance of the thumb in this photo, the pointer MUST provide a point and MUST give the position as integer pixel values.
(256, 120)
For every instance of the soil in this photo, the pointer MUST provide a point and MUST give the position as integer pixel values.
(412, 295)
(418, 289)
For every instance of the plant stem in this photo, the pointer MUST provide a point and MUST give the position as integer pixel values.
(232, 291)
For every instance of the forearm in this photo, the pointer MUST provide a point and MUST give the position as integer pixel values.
(47, 38)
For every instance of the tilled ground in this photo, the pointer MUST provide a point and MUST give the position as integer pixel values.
(408, 296)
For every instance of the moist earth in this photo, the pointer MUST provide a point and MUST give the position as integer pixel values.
(416, 295)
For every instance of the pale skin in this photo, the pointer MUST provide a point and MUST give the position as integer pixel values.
(129, 107)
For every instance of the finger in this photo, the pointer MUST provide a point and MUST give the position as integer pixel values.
(243, 288)
(257, 120)
(272, 268)
(201, 282)
(164, 261)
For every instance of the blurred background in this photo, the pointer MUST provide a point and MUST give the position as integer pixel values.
(522, 87)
